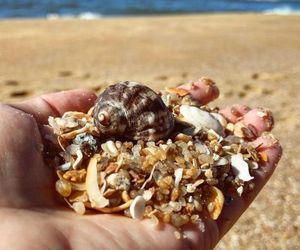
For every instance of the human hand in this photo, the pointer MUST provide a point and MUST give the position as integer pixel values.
(31, 216)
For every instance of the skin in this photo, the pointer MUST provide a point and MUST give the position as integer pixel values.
(32, 217)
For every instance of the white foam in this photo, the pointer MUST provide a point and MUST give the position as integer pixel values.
(82, 16)
(284, 10)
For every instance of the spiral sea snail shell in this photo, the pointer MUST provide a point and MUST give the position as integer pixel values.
(132, 111)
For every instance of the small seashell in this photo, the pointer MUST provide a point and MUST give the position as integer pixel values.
(215, 203)
(133, 111)
(240, 167)
(137, 207)
(200, 119)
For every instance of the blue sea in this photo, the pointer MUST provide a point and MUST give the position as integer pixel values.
(89, 9)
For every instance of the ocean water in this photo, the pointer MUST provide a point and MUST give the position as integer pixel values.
(89, 9)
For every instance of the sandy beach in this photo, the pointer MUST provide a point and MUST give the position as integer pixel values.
(254, 59)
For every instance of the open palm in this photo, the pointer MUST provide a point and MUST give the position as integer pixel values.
(31, 217)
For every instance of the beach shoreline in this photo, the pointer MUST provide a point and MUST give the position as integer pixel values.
(254, 59)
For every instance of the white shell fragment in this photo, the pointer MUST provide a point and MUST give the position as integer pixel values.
(240, 167)
(178, 176)
(110, 148)
(96, 198)
(77, 162)
(200, 119)
(137, 207)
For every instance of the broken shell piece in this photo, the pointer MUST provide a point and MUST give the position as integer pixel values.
(200, 119)
(137, 207)
(110, 148)
(96, 198)
(240, 167)
(215, 203)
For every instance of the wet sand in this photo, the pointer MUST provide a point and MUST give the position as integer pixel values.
(254, 59)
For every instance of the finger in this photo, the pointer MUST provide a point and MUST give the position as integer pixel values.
(55, 104)
(235, 112)
(261, 119)
(204, 90)
(235, 206)
(256, 120)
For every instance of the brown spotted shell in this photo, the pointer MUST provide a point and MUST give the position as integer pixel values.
(132, 111)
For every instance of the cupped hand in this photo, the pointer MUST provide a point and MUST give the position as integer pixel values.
(32, 218)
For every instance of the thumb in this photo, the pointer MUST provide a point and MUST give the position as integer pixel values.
(55, 104)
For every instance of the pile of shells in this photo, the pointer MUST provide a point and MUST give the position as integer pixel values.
(147, 155)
